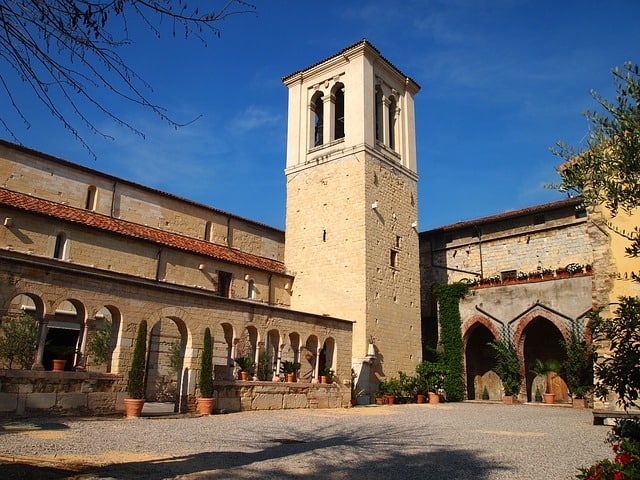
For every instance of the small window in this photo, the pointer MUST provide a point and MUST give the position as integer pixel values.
(398, 240)
(339, 113)
(224, 284)
(90, 204)
(378, 111)
(392, 124)
(60, 247)
(207, 232)
(318, 110)
(393, 259)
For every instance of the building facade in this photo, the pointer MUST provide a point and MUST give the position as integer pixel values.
(534, 274)
(80, 249)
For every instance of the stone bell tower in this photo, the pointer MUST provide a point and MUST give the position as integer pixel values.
(352, 207)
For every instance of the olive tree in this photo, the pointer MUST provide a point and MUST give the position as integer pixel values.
(606, 171)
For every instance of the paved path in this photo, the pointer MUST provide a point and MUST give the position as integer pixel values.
(445, 441)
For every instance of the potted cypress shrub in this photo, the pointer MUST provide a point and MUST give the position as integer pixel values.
(206, 401)
(508, 369)
(135, 384)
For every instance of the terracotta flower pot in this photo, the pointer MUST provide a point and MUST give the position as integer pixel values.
(508, 399)
(390, 399)
(58, 365)
(244, 375)
(379, 401)
(206, 405)
(323, 379)
(549, 398)
(420, 398)
(290, 377)
(434, 397)
(133, 407)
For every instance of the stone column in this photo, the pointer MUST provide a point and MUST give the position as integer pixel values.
(42, 339)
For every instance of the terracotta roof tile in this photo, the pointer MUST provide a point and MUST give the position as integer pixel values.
(568, 202)
(121, 227)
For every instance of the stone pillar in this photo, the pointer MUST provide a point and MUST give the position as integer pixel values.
(42, 338)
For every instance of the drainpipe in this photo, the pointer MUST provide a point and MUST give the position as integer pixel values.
(158, 256)
(113, 199)
(479, 232)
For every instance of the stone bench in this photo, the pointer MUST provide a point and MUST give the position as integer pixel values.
(599, 416)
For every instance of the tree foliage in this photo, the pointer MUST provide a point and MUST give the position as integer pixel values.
(578, 365)
(18, 339)
(100, 344)
(606, 171)
(620, 371)
(507, 365)
(68, 51)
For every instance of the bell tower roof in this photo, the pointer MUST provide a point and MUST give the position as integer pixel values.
(345, 52)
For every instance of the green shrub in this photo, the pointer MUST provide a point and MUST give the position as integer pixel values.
(100, 344)
(206, 366)
(135, 384)
(18, 340)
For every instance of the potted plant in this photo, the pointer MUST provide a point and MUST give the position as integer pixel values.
(327, 375)
(61, 355)
(548, 370)
(430, 376)
(507, 368)
(578, 366)
(245, 364)
(289, 369)
(135, 384)
(206, 401)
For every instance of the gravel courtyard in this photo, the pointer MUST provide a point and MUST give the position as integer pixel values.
(444, 441)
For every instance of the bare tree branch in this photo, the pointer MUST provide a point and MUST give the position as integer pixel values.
(66, 51)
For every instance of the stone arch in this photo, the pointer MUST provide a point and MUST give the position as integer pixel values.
(328, 355)
(33, 306)
(163, 383)
(540, 338)
(272, 350)
(338, 105)
(223, 336)
(316, 119)
(65, 334)
(106, 315)
(309, 360)
(480, 360)
(247, 344)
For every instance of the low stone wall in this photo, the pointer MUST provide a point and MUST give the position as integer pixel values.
(39, 393)
(31, 392)
(245, 396)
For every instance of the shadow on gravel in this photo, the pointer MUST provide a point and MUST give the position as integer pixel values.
(354, 455)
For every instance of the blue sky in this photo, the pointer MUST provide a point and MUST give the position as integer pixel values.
(502, 81)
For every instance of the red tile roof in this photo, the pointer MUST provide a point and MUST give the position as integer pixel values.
(568, 202)
(121, 227)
